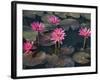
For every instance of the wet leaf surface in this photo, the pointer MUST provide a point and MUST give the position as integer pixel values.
(45, 39)
(69, 23)
(81, 57)
(33, 61)
(67, 50)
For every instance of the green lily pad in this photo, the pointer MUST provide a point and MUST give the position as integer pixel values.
(28, 14)
(67, 23)
(81, 57)
(61, 14)
(31, 35)
(52, 60)
(74, 15)
(65, 62)
(44, 39)
(87, 16)
(33, 61)
(67, 50)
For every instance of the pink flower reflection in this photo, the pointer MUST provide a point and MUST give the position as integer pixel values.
(36, 26)
(58, 35)
(84, 32)
(53, 20)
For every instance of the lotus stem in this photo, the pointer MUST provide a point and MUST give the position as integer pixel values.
(58, 47)
(84, 42)
(55, 48)
(38, 39)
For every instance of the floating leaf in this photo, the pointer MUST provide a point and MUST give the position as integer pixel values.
(87, 24)
(61, 14)
(45, 18)
(28, 14)
(66, 23)
(65, 62)
(49, 27)
(67, 50)
(26, 28)
(55, 61)
(88, 50)
(31, 35)
(45, 39)
(33, 61)
(74, 15)
(81, 57)
(40, 13)
(52, 60)
(87, 16)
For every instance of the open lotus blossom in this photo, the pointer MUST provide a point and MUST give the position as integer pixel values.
(28, 46)
(58, 35)
(53, 20)
(85, 32)
(37, 26)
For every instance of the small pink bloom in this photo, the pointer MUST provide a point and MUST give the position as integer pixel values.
(84, 32)
(27, 46)
(36, 26)
(58, 35)
(53, 20)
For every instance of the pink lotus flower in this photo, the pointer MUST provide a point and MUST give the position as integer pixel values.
(36, 26)
(53, 20)
(58, 35)
(27, 47)
(84, 32)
